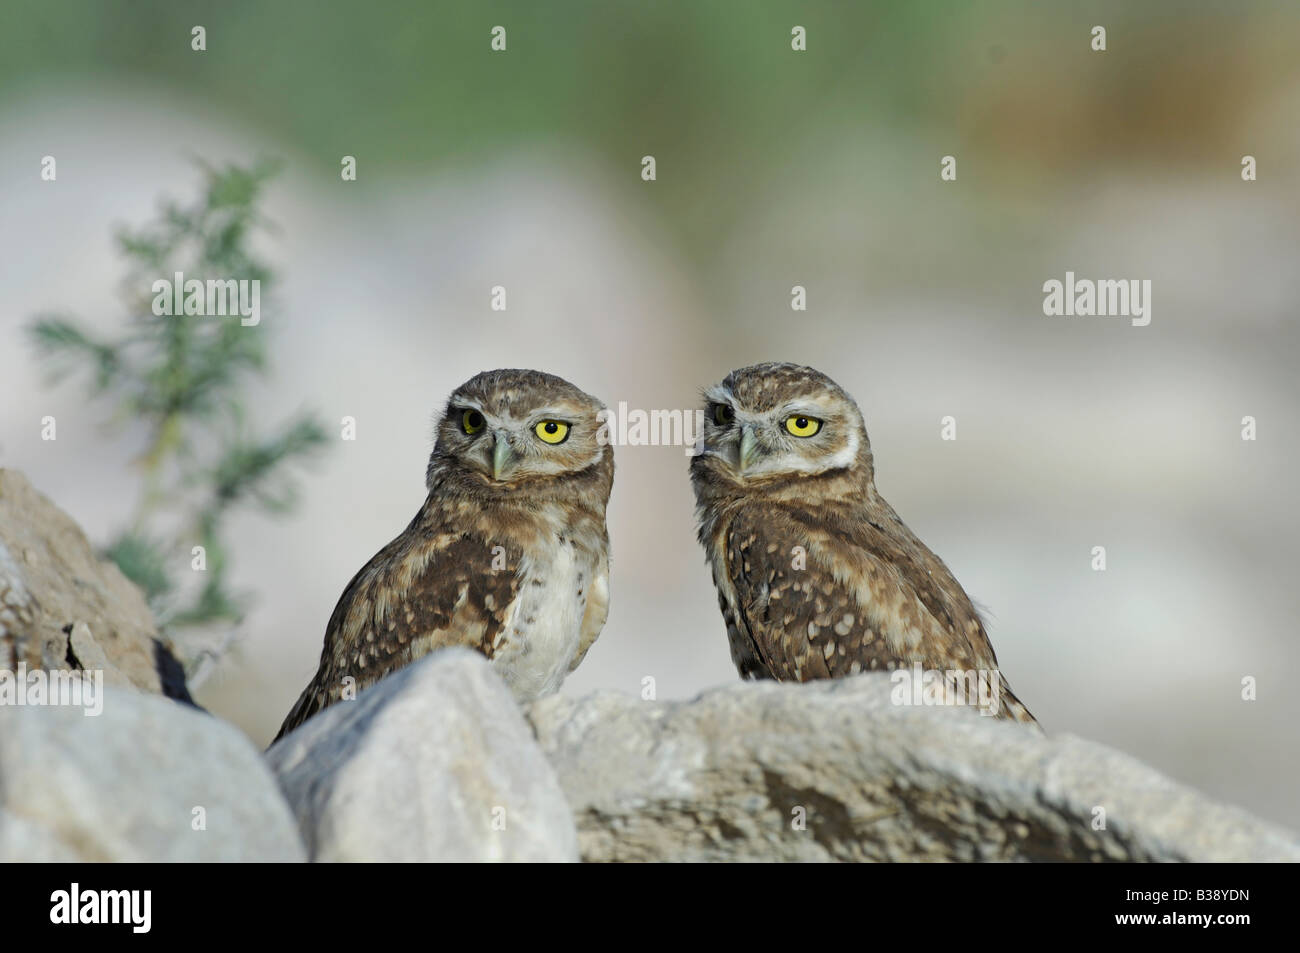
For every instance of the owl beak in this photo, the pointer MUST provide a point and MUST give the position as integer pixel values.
(503, 457)
(748, 449)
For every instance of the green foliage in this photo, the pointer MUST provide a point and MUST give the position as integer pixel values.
(181, 378)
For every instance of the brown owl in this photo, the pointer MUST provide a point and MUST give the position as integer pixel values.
(508, 555)
(816, 574)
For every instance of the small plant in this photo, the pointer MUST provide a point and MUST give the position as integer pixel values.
(179, 377)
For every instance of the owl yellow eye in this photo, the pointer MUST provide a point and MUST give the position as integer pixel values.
(723, 414)
(552, 431)
(801, 426)
(471, 421)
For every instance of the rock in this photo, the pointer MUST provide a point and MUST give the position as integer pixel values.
(437, 762)
(429, 763)
(729, 775)
(124, 785)
(62, 607)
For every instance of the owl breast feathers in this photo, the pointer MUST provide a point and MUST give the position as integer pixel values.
(817, 576)
(509, 554)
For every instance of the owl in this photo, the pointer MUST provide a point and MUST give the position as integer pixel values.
(817, 576)
(508, 555)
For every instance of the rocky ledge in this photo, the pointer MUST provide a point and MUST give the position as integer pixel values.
(437, 762)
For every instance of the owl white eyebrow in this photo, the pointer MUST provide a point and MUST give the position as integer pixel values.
(803, 411)
(552, 413)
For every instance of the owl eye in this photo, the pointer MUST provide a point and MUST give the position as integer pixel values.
(723, 414)
(802, 426)
(552, 431)
(471, 421)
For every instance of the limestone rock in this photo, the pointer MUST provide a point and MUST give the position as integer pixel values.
(63, 607)
(433, 762)
(133, 783)
(835, 771)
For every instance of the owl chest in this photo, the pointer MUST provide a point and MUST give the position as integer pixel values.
(543, 629)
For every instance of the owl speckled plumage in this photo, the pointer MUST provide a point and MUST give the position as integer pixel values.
(816, 574)
(509, 554)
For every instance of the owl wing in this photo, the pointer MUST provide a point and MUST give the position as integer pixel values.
(597, 610)
(425, 590)
(823, 598)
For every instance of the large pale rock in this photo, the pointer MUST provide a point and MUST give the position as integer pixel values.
(133, 783)
(433, 762)
(63, 607)
(731, 775)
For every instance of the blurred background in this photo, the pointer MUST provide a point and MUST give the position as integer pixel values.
(775, 168)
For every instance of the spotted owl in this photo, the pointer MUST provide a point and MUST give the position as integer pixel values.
(508, 555)
(816, 574)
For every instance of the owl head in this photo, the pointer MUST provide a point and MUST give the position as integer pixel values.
(520, 431)
(781, 423)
